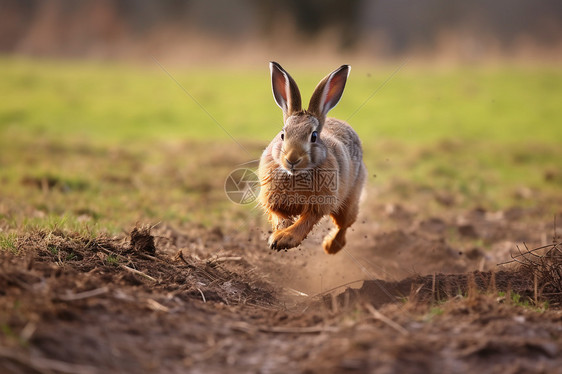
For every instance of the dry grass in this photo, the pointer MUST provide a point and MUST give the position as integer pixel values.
(544, 266)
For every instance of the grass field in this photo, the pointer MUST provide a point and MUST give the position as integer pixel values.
(108, 103)
(490, 136)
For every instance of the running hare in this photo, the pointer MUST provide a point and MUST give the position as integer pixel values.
(313, 167)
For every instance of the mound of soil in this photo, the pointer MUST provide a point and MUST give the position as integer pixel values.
(441, 287)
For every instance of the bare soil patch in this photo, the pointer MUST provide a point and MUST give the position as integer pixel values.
(165, 299)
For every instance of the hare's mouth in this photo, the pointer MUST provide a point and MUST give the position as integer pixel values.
(295, 167)
(294, 171)
(289, 171)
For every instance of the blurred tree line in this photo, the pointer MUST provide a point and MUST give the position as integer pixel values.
(70, 27)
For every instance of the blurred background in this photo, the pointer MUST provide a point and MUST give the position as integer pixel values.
(250, 31)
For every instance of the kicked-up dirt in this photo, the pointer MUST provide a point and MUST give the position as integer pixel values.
(424, 296)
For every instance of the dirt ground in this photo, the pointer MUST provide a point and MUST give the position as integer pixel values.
(419, 295)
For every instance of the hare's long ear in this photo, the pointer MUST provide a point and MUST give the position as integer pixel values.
(328, 92)
(285, 90)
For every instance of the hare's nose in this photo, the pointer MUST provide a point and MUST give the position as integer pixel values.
(293, 163)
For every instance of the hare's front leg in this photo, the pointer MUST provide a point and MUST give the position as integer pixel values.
(279, 222)
(293, 235)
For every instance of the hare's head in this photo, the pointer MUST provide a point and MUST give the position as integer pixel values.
(300, 144)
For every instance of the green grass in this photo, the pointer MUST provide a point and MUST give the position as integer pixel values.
(111, 103)
(8, 242)
(112, 260)
(523, 302)
(106, 145)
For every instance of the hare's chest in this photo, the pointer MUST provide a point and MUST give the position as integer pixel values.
(295, 193)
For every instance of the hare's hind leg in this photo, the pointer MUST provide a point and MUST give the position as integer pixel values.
(345, 217)
(335, 240)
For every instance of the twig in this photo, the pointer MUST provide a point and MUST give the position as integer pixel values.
(417, 291)
(514, 257)
(134, 271)
(381, 317)
(335, 288)
(148, 257)
(202, 294)
(179, 256)
(223, 259)
(294, 292)
(110, 252)
(529, 251)
(156, 306)
(536, 293)
(555, 235)
(83, 295)
(433, 287)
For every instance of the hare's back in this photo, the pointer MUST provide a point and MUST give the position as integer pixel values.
(337, 132)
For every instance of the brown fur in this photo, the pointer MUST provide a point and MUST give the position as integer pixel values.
(336, 153)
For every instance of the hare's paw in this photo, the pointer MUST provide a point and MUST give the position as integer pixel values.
(333, 243)
(283, 239)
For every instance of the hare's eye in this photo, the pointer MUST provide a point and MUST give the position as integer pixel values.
(282, 136)
(313, 137)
